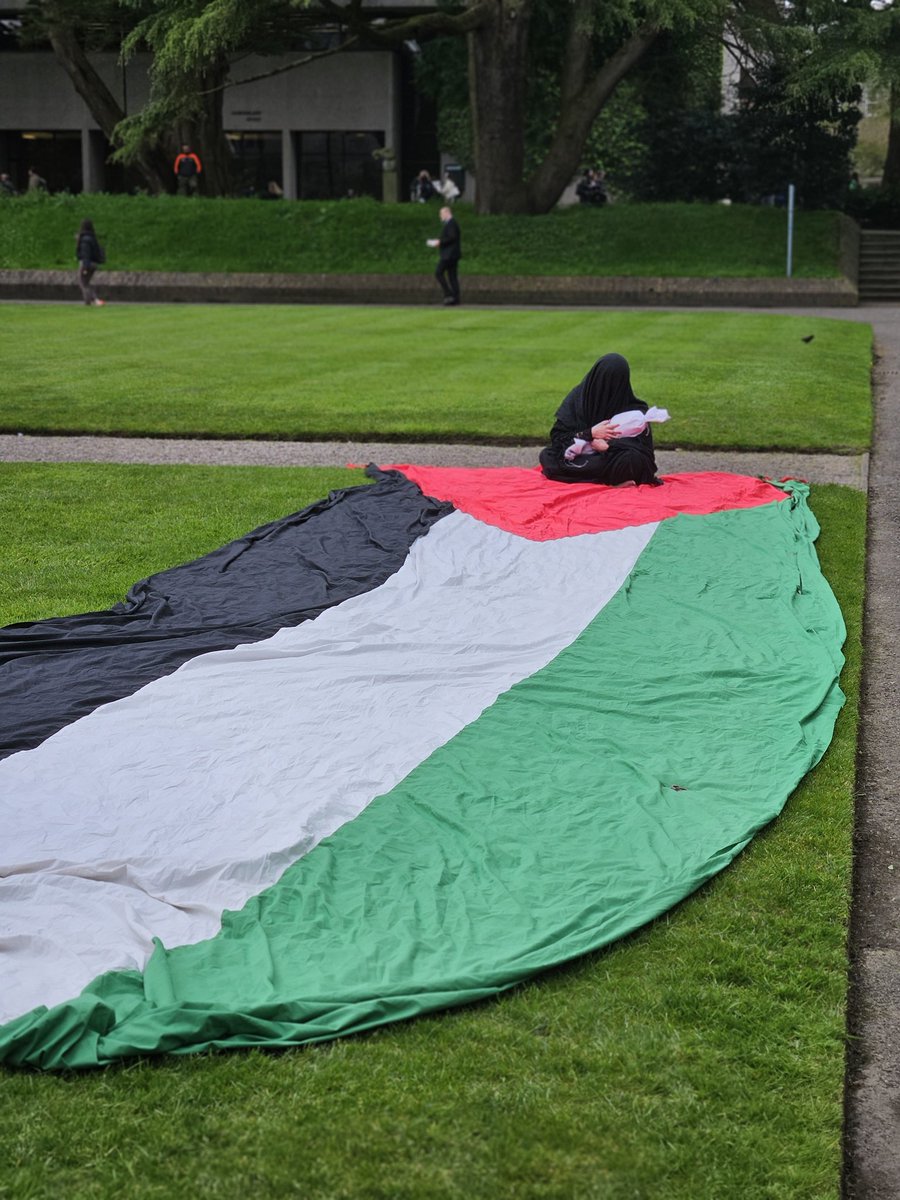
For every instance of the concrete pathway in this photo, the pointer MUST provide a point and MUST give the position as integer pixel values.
(872, 1095)
(872, 1134)
(849, 469)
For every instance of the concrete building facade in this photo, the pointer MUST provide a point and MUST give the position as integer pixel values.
(351, 124)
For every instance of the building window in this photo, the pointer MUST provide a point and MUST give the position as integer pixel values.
(255, 162)
(332, 164)
(10, 33)
(54, 154)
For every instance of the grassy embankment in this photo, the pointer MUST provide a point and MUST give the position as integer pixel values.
(702, 1057)
(173, 234)
(356, 374)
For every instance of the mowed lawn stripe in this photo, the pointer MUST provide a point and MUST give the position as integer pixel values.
(746, 381)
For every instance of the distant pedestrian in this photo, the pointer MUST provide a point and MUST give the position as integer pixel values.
(449, 244)
(35, 182)
(7, 187)
(187, 171)
(423, 188)
(591, 188)
(449, 188)
(90, 256)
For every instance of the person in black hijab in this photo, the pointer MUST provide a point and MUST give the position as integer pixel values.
(588, 413)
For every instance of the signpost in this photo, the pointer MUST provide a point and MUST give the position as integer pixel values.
(790, 231)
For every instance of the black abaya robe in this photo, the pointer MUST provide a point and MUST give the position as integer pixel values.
(603, 393)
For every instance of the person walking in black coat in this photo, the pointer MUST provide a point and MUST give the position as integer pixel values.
(90, 256)
(450, 254)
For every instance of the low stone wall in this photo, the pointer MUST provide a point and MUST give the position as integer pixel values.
(163, 287)
(849, 249)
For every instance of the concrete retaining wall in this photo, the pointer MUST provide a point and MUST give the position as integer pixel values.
(163, 287)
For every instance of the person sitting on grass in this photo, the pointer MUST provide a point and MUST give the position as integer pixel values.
(588, 416)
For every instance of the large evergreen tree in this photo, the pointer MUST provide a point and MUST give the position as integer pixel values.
(195, 43)
(570, 54)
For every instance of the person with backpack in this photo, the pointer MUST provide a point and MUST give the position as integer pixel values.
(90, 256)
(187, 171)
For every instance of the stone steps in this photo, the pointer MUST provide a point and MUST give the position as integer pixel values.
(879, 264)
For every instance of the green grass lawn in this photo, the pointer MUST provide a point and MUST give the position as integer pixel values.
(729, 379)
(168, 233)
(700, 1058)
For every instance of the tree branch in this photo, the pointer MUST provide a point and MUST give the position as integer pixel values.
(598, 90)
(578, 52)
(103, 105)
(353, 16)
(578, 115)
(424, 25)
(297, 62)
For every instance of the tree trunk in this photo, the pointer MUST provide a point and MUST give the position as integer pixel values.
(498, 68)
(205, 133)
(498, 64)
(890, 179)
(103, 106)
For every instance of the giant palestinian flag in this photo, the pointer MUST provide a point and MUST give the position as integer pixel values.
(397, 752)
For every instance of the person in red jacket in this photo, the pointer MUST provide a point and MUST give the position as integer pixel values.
(187, 171)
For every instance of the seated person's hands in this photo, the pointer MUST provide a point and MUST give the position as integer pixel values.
(601, 433)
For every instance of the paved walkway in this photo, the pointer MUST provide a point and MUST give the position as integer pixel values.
(849, 469)
(872, 1142)
(872, 1139)
(872, 1095)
